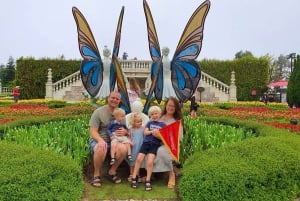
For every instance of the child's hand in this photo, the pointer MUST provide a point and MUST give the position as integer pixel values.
(121, 132)
(155, 133)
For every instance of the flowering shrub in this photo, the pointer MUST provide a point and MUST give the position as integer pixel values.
(273, 116)
(27, 111)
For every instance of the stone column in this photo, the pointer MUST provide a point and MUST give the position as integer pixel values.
(232, 88)
(49, 85)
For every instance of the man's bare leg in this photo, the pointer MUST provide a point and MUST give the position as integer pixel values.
(98, 158)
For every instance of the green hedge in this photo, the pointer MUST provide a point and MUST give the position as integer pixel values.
(32, 174)
(250, 74)
(264, 168)
(29, 68)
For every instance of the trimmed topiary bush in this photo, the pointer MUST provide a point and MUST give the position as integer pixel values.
(32, 174)
(264, 168)
(57, 104)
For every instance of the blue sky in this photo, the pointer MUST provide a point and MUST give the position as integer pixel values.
(42, 29)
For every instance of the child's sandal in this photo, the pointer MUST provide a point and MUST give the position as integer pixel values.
(148, 186)
(129, 178)
(134, 183)
(112, 161)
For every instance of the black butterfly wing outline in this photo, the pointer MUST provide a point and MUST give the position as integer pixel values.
(185, 71)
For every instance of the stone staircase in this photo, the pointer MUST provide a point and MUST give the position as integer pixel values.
(71, 89)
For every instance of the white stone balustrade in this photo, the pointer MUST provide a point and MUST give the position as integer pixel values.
(140, 68)
(67, 81)
(214, 82)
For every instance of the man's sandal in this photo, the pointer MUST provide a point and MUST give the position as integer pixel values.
(114, 178)
(96, 182)
(148, 186)
(134, 183)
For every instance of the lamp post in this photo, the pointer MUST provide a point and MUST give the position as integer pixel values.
(291, 56)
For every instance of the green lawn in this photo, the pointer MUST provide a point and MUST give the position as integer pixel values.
(123, 191)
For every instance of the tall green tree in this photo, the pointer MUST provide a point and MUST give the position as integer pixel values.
(293, 89)
(278, 67)
(7, 74)
(242, 54)
(2, 67)
(283, 64)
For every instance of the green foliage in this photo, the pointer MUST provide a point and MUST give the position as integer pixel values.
(202, 135)
(224, 106)
(242, 54)
(7, 73)
(265, 168)
(250, 73)
(29, 122)
(293, 89)
(56, 104)
(123, 191)
(38, 69)
(68, 137)
(31, 174)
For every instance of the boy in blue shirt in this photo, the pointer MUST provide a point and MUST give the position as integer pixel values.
(149, 147)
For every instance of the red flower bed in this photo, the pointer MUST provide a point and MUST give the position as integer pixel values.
(30, 111)
(6, 120)
(28, 106)
(279, 118)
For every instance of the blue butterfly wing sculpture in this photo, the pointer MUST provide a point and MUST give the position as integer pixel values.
(113, 71)
(91, 68)
(185, 71)
(154, 48)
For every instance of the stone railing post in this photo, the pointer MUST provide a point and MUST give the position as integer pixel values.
(49, 85)
(232, 88)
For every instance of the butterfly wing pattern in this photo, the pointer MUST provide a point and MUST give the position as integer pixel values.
(155, 53)
(91, 68)
(113, 74)
(116, 74)
(185, 71)
(124, 104)
(152, 87)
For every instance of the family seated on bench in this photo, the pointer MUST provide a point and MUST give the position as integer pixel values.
(100, 140)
